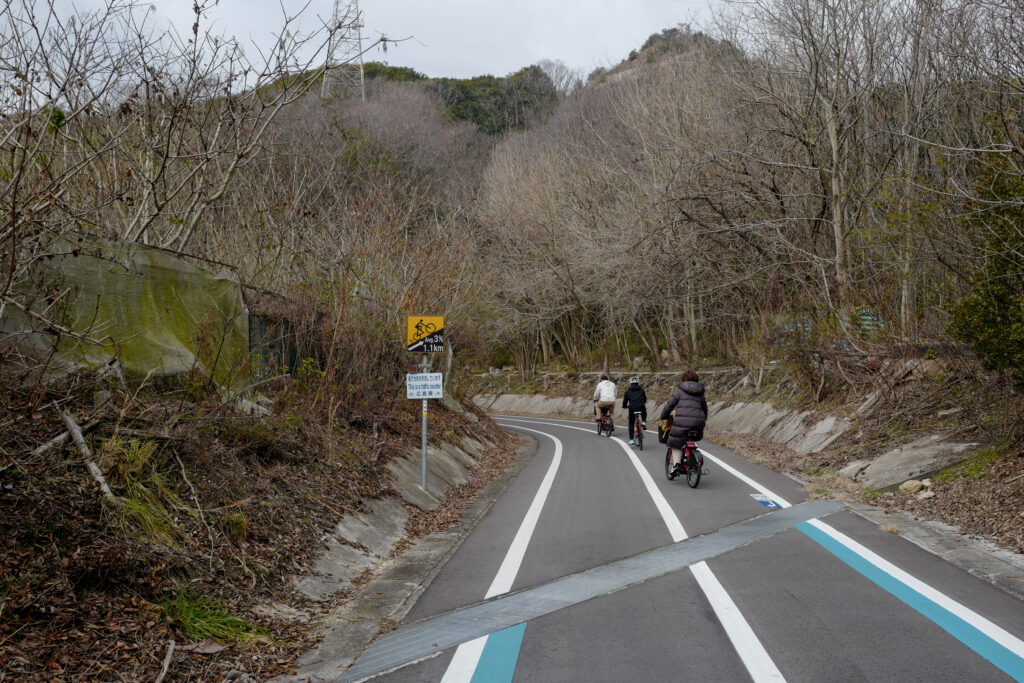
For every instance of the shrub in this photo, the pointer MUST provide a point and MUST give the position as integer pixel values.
(991, 316)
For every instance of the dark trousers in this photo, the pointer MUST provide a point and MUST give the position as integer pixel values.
(643, 416)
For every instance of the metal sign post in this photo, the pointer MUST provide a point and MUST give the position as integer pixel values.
(424, 367)
(425, 334)
(423, 456)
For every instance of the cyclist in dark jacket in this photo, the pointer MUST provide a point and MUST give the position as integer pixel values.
(635, 400)
(691, 412)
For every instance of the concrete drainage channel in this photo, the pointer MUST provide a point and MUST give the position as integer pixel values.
(360, 542)
(364, 542)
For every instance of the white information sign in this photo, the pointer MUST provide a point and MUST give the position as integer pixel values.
(424, 385)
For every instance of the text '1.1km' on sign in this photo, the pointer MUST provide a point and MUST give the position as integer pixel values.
(425, 334)
(424, 385)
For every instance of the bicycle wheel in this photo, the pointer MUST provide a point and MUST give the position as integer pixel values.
(668, 465)
(638, 431)
(600, 425)
(609, 427)
(692, 469)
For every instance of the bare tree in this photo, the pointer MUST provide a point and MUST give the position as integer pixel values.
(566, 79)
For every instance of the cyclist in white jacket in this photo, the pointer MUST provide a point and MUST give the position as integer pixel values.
(604, 396)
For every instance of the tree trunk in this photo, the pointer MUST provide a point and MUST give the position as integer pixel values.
(837, 199)
(568, 350)
(671, 338)
(691, 318)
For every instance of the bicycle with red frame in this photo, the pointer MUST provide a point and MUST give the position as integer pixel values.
(605, 423)
(638, 430)
(692, 462)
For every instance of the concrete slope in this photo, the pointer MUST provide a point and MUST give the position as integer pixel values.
(802, 431)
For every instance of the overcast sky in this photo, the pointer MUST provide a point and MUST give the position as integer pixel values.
(461, 38)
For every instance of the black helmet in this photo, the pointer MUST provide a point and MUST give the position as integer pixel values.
(604, 376)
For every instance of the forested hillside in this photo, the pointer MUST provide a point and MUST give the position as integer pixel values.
(714, 195)
(833, 176)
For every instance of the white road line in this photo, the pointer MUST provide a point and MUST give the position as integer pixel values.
(759, 663)
(990, 629)
(996, 633)
(464, 663)
(514, 557)
(752, 653)
(467, 655)
(745, 479)
(675, 527)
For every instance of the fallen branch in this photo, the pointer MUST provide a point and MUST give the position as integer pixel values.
(83, 448)
(186, 508)
(52, 327)
(148, 435)
(62, 438)
(167, 662)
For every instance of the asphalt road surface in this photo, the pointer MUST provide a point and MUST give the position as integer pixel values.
(592, 566)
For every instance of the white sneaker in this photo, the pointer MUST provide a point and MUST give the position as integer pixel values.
(632, 442)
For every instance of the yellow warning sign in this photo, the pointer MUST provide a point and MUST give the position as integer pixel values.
(425, 333)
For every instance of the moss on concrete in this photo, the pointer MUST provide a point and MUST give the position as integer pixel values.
(151, 310)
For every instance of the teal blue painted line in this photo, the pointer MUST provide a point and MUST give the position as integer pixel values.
(1009, 662)
(501, 654)
(765, 501)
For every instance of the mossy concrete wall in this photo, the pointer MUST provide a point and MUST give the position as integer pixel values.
(148, 309)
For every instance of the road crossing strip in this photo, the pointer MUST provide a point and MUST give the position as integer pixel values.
(423, 639)
(987, 639)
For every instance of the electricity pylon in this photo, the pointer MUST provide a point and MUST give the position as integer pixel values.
(344, 72)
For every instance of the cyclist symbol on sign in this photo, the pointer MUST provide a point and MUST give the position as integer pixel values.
(423, 329)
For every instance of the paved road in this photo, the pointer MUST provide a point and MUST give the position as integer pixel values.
(593, 567)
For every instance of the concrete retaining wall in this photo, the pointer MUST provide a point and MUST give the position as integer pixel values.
(553, 406)
(799, 430)
(919, 458)
(796, 429)
(360, 541)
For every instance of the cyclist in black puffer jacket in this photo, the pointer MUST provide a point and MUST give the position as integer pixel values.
(635, 400)
(691, 412)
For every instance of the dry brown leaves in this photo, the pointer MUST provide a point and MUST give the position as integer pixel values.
(79, 597)
(449, 513)
(990, 506)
